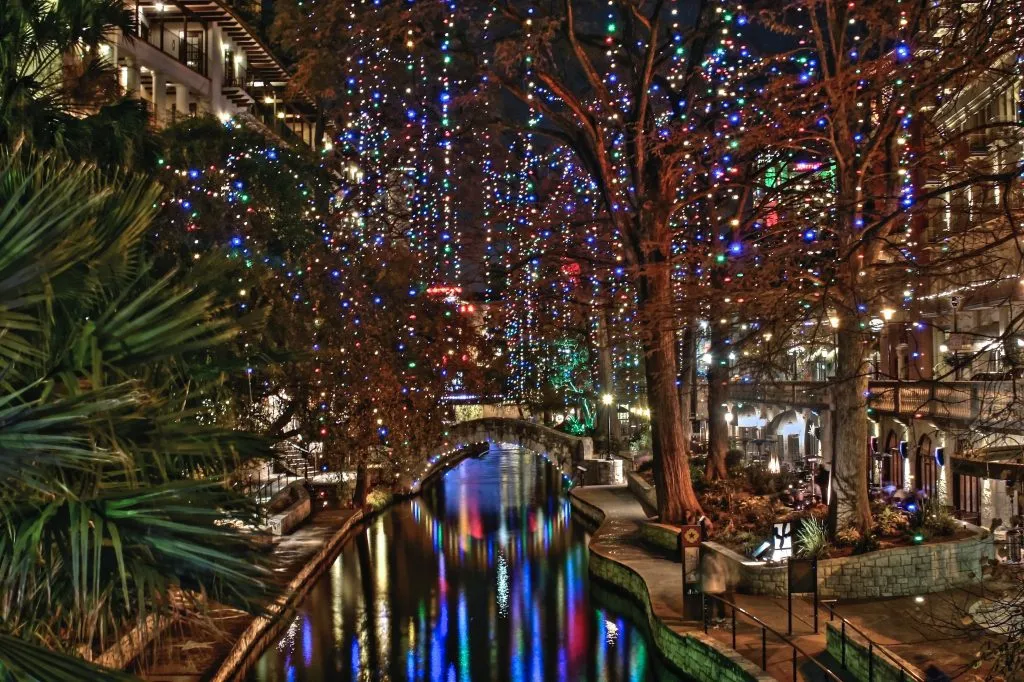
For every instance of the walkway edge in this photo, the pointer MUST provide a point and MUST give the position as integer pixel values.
(693, 653)
(264, 628)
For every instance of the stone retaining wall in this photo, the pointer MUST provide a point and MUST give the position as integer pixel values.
(661, 536)
(643, 491)
(895, 572)
(864, 664)
(264, 628)
(693, 653)
(288, 519)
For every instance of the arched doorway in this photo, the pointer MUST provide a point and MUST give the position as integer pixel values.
(925, 469)
(892, 463)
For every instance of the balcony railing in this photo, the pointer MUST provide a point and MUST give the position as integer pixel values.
(950, 400)
(182, 43)
(794, 393)
(237, 77)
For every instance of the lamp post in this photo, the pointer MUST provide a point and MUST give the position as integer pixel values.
(606, 400)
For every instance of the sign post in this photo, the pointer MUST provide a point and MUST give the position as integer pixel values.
(689, 547)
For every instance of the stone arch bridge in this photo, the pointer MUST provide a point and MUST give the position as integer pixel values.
(469, 438)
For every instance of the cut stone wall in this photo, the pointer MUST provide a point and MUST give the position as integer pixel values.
(866, 664)
(904, 571)
(694, 654)
(661, 536)
(298, 511)
(897, 572)
(643, 491)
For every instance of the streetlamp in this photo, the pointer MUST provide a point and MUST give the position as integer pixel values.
(606, 400)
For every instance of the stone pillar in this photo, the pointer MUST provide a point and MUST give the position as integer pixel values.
(996, 502)
(159, 98)
(181, 100)
(215, 70)
(131, 81)
(111, 53)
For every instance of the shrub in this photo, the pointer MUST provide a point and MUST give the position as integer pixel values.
(889, 522)
(733, 458)
(812, 539)
(938, 520)
(746, 541)
(867, 543)
(762, 482)
(757, 512)
(848, 537)
(697, 476)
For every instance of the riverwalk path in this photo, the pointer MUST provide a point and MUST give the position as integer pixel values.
(897, 624)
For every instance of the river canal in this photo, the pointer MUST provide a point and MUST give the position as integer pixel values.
(484, 577)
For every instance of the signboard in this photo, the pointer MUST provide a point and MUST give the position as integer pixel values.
(689, 556)
(802, 578)
(955, 301)
(782, 541)
(690, 536)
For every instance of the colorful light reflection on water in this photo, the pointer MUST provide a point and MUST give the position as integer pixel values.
(482, 578)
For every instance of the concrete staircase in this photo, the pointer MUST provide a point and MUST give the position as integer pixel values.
(293, 460)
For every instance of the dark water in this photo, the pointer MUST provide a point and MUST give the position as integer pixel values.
(483, 578)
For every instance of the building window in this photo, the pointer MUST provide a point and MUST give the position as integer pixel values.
(967, 497)
(229, 68)
(192, 52)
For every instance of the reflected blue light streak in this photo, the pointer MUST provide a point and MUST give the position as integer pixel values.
(482, 578)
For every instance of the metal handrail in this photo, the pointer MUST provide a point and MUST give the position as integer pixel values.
(873, 647)
(765, 629)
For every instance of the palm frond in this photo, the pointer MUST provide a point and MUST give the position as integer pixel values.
(23, 661)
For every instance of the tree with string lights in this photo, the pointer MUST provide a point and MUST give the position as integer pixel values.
(878, 87)
(357, 355)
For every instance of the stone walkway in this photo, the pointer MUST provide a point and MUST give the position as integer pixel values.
(618, 538)
(192, 653)
(900, 624)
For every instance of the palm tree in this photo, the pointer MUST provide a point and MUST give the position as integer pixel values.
(58, 91)
(114, 447)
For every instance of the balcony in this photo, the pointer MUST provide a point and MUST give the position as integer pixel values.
(238, 84)
(183, 37)
(810, 394)
(992, 405)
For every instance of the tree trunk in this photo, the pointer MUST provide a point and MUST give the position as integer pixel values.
(362, 486)
(606, 414)
(849, 505)
(718, 394)
(677, 502)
